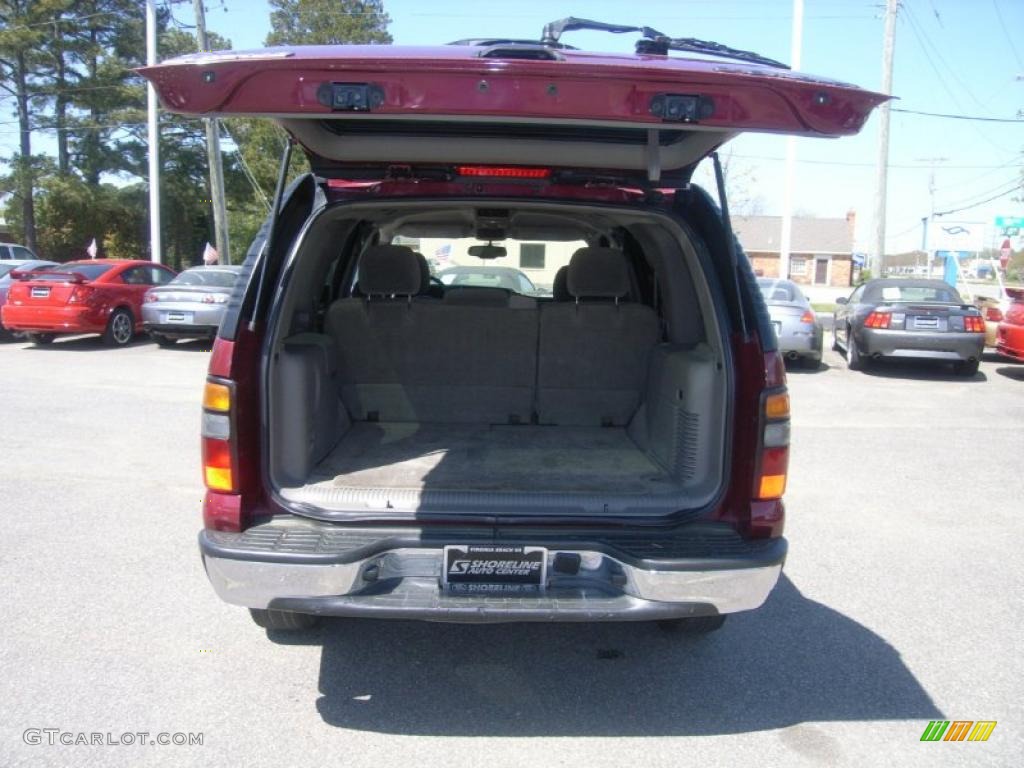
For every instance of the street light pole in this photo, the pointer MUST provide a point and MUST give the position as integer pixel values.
(785, 243)
(220, 214)
(155, 249)
(888, 53)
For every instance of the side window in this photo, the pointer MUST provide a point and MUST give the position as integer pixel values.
(22, 253)
(135, 276)
(4, 252)
(855, 296)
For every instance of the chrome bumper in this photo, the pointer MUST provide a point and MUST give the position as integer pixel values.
(404, 582)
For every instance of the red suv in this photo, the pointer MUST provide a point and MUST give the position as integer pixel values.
(605, 440)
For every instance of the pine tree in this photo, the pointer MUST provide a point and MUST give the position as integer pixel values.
(327, 22)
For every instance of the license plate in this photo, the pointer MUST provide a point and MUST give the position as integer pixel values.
(40, 292)
(475, 569)
(178, 317)
(778, 328)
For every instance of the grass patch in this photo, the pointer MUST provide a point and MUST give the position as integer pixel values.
(827, 306)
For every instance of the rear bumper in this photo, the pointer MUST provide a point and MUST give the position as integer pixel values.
(801, 344)
(52, 319)
(319, 570)
(204, 319)
(935, 346)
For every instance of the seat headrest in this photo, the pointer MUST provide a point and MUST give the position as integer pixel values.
(559, 287)
(424, 272)
(598, 273)
(390, 269)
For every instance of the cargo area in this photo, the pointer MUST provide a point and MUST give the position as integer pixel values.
(400, 392)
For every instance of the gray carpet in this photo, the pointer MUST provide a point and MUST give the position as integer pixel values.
(452, 457)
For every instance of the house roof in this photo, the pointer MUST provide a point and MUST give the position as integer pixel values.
(809, 235)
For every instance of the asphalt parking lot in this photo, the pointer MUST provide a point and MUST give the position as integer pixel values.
(901, 601)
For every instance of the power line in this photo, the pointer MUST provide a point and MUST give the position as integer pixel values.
(1004, 193)
(948, 116)
(1006, 32)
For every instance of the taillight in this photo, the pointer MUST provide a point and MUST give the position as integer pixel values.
(219, 450)
(503, 172)
(215, 298)
(773, 453)
(807, 317)
(150, 297)
(80, 294)
(877, 320)
(994, 314)
(974, 324)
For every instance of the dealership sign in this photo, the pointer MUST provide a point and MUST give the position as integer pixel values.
(957, 236)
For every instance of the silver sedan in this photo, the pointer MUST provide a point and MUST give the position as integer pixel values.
(796, 326)
(191, 306)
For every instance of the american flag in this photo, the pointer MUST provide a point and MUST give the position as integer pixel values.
(443, 253)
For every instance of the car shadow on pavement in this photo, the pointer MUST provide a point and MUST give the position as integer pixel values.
(792, 661)
(797, 369)
(81, 344)
(919, 370)
(1012, 372)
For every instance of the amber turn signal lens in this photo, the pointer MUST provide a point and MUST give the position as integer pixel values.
(777, 406)
(772, 486)
(217, 397)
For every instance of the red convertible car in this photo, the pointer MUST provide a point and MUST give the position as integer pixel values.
(99, 296)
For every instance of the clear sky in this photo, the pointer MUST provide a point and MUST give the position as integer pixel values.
(952, 56)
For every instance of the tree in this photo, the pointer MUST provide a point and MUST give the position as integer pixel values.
(327, 22)
(22, 29)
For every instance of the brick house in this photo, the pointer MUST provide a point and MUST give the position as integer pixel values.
(821, 250)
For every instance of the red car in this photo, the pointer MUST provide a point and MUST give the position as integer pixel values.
(100, 296)
(1010, 341)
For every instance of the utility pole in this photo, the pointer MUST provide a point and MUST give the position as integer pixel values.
(155, 249)
(787, 193)
(220, 214)
(926, 220)
(888, 51)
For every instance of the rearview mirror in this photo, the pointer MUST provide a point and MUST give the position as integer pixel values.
(487, 251)
(842, 300)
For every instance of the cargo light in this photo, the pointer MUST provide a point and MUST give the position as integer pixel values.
(877, 320)
(503, 172)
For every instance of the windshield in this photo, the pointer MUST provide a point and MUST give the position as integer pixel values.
(779, 290)
(527, 268)
(216, 278)
(88, 271)
(928, 293)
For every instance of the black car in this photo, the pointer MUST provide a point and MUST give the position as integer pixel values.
(923, 319)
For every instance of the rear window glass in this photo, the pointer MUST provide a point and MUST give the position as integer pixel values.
(216, 278)
(527, 268)
(777, 290)
(898, 292)
(5, 268)
(88, 271)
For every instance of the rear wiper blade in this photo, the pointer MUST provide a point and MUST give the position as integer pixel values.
(655, 42)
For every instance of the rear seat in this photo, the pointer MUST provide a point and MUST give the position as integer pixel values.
(405, 358)
(474, 359)
(594, 351)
